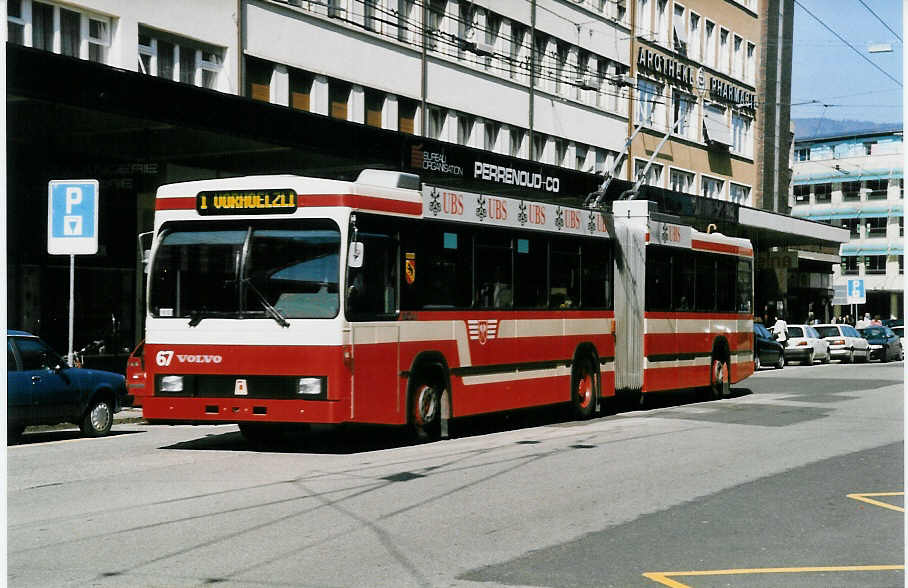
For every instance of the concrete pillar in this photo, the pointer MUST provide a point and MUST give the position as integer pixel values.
(356, 105)
(318, 99)
(280, 86)
(389, 113)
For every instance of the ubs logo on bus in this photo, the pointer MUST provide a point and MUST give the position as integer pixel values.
(482, 330)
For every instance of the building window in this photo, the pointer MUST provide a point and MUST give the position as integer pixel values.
(406, 115)
(436, 122)
(518, 56)
(653, 176)
(435, 22)
(869, 147)
(182, 60)
(738, 57)
(81, 34)
(901, 264)
(693, 37)
(374, 103)
(876, 227)
(681, 181)
(516, 142)
(875, 264)
(715, 126)
(490, 135)
(851, 191)
(338, 97)
(644, 18)
(901, 226)
(724, 51)
(300, 90)
(801, 194)
(877, 189)
(712, 188)
(465, 129)
(662, 22)
(580, 155)
(405, 15)
(742, 135)
(802, 154)
(258, 72)
(750, 64)
(649, 100)
(683, 115)
(849, 266)
(854, 227)
(739, 194)
(822, 193)
(679, 30)
(709, 47)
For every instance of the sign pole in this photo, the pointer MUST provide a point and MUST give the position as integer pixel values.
(72, 305)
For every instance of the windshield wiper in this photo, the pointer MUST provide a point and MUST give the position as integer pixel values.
(275, 313)
(196, 316)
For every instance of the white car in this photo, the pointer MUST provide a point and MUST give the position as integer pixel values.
(804, 344)
(900, 332)
(845, 342)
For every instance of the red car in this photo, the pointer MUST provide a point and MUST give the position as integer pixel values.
(135, 374)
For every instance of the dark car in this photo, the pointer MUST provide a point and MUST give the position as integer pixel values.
(767, 351)
(884, 344)
(43, 390)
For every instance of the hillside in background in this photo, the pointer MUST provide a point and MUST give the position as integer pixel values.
(813, 127)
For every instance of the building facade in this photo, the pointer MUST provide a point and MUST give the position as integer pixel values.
(572, 91)
(856, 182)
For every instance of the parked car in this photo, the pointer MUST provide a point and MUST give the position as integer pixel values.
(884, 344)
(767, 351)
(900, 333)
(845, 342)
(804, 344)
(43, 390)
(135, 375)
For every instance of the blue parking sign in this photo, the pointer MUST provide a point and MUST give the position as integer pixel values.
(72, 217)
(856, 293)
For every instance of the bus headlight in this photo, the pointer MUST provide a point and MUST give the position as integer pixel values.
(172, 384)
(310, 387)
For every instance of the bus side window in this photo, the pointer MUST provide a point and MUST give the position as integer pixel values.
(531, 272)
(683, 279)
(494, 275)
(745, 286)
(372, 288)
(705, 282)
(658, 279)
(564, 289)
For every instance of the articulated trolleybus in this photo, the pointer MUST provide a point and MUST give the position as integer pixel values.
(275, 300)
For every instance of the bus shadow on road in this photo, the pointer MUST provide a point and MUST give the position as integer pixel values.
(46, 436)
(352, 438)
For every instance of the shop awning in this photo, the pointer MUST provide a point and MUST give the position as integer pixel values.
(715, 127)
(859, 249)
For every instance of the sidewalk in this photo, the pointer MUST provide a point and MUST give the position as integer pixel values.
(129, 414)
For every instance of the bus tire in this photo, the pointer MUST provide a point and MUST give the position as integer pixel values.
(719, 383)
(424, 407)
(584, 388)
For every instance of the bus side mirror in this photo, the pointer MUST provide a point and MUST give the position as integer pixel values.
(355, 254)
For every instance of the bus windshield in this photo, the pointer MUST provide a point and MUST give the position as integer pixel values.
(241, 270)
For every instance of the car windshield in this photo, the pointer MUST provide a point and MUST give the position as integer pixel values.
(872, 332)
(235, 270)
(795, 332)
(829, 331)
(761, 330)
(899, 331)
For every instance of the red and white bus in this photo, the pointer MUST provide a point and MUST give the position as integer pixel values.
(286, 299)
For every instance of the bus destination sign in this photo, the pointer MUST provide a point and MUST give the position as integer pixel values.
(246, 202)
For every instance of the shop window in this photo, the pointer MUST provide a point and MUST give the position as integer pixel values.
(823, 192)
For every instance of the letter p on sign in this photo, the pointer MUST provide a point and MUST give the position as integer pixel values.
(72, 217)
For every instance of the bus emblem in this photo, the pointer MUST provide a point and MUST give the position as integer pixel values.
(482, 331)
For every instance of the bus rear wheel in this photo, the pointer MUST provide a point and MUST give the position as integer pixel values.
(425, 409)
(719, 384)
(584, 389)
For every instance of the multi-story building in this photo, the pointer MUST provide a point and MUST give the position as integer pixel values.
(137, 94)
(856, 182)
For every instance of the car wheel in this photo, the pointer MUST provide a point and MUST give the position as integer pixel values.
(884, 357)
(809, 360)
(781, 363)
(757, 365)
(98, 419)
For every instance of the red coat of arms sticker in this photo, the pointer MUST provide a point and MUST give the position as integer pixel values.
(482, 330)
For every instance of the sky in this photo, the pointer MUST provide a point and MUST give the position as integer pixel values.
(826, 70)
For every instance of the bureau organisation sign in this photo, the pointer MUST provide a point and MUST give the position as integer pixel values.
(484, 209)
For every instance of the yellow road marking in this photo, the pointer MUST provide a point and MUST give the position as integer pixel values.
(665, 579)
(865, 497)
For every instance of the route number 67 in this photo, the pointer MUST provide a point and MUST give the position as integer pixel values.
(163, 358)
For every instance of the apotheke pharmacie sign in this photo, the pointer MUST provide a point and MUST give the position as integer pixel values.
(719, 89)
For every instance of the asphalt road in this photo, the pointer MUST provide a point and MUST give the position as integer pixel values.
(796, 480)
